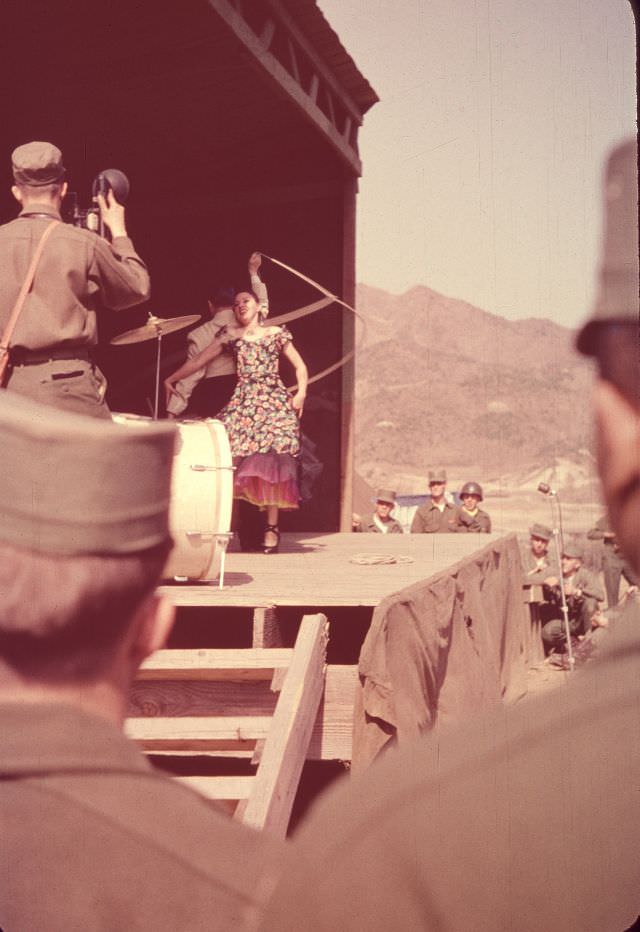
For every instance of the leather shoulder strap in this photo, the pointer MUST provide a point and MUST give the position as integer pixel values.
(24, 291)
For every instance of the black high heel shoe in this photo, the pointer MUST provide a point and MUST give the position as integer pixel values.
(273, 528)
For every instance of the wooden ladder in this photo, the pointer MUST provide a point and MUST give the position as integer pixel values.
(259, 702)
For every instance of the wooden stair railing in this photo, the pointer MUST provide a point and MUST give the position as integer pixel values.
(218, 703)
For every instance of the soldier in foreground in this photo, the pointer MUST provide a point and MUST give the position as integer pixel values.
(526, 819)
(91, 837)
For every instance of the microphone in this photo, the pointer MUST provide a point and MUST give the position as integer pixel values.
(111, 179)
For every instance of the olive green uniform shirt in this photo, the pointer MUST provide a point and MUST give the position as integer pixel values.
(79, 273)
(428, 519)
(522, 820)
(92, 838)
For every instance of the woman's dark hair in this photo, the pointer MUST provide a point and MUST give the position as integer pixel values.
(223, 297)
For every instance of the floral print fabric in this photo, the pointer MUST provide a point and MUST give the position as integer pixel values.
(259, 417)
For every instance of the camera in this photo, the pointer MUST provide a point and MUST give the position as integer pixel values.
(88, 218)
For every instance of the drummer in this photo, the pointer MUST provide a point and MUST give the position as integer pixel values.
(209, 389)
(78, 274)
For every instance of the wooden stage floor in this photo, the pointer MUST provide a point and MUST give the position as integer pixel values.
(316, 570)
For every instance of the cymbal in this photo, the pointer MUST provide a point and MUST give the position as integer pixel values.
(155, 327)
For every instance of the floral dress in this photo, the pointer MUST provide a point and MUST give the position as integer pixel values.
(263, 428)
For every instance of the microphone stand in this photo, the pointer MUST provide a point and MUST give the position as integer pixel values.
(556, 520)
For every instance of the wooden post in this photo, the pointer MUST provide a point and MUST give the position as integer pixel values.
(266, 628)
(348, 343)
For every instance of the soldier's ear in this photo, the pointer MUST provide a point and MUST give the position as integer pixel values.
(153, 625)
(17, 193)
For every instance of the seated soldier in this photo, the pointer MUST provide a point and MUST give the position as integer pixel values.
(582, 591)
(471, 518)
(380, 521)
(438, 515)
(536, 562)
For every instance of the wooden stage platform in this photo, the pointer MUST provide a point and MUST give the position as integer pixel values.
(317, 570)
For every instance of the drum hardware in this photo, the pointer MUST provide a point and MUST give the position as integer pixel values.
(221, 539)
(201, 500)
(154, 329)
(197, 467)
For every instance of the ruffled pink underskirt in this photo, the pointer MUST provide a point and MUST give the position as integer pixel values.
(267, 479)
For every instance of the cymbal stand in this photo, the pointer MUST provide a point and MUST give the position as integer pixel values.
(158, 351)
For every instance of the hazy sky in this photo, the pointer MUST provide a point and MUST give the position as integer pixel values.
(482, 161)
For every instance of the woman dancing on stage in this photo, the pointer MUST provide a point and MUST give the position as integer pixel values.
(262, 419)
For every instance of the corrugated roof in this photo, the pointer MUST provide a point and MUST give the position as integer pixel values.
(311, 20)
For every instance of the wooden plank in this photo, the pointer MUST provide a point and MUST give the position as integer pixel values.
(314, 570)
(198, 734)
(203, 664)
(347, 375)
(266, 628)
(153, 698)
(285, 749)
(234, 788)
(280, 78)
(331, 738)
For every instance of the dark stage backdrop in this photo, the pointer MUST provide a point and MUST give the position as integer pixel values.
(221, 162)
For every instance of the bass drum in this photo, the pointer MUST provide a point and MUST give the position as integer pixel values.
(201, 498)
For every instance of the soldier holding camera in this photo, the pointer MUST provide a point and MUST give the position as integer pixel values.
(76, 274)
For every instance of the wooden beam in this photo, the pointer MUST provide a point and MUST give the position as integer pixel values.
(295, 71)
(266, 629)
(267, 34)
(234, 788)
(288, 85)
(347, 409)
(205, 733)
(332, 732)
(236, 666)
(313, 87)
(285, 749)
(316, 61)
(332, 737)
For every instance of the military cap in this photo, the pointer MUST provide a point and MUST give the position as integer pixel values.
(78, 485)
(385, 495)
(437, 475)
(37, 164)
(541, 531)
(617, 296)
(572, 549)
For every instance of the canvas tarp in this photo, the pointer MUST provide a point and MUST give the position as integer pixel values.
(442, 648)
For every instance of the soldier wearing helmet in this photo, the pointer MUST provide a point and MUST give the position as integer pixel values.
(471, 518)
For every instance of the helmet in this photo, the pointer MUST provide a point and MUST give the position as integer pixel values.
(471, 488)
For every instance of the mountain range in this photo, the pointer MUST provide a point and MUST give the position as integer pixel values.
(441, 382)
